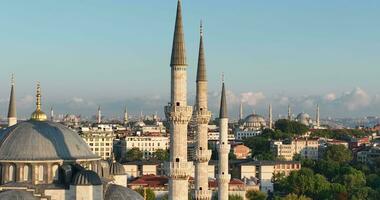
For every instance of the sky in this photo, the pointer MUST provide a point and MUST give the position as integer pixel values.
(116, 53)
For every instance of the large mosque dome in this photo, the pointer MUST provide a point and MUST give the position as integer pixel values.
(254, 121)
(42, 141)
(304, 118)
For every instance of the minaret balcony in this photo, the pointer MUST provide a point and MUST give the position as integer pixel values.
(203, 194)
(179, 170)
(178, 114)
(202, 116)
(224, 148)
(203, 155)
(224, 178)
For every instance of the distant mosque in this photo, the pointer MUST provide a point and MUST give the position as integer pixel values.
(254, 124)
(41, 159)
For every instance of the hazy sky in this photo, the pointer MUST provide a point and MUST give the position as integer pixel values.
(117, 52)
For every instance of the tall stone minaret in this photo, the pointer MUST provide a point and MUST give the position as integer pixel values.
(317, 117)
(202, 117)
(126, 116)
(224, 149)
(289, 112)
(12, 114)
(241, 112)
(99, 116)
(51, 114)
(178, 114)
(270, 117)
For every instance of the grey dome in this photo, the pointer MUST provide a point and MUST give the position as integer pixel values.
(304, 118)
(254, 119)
(116, 168)
(17, 194)
(117, 192)
(42, 140)
(86, 177)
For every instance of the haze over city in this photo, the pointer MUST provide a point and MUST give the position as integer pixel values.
(116, 54)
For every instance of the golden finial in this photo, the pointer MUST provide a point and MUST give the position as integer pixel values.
(38, 115)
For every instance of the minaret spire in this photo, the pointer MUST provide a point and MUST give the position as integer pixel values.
(289, 113)
(99, 115)
(178, 49)
(201, 71)
(241, 112)
(51, 114)
(317, 117)
(125, 116)
(178, 114)
(223, 103)
(202, 118)
(12, 114)
(224, 149)
(270, 117)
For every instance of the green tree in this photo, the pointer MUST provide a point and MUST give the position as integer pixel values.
(337, 153)
(235, 197)
(295, 197)
(147, 193)
(161, 155)
(255, 195)
(292, 127)
(134, 154)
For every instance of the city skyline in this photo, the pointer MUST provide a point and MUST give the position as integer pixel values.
(302, 56)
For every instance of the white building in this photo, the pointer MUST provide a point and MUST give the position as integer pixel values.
(306, 148)
(265, 170)
(100, 141)
(147, 144)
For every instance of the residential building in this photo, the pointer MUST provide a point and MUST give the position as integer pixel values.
(265, 170)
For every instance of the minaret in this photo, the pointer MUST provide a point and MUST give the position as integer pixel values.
(270, 117)
(12, 115)
(202, 118)
(289, 113)
(99, 116)
(125, 116)
(317, 117)
(51, 114)
(178, 114)
(224, 149)
(241, 112)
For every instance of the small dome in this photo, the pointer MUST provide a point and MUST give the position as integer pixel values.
(116, 168)
(17, 194)
(117, 192)
(86, 177)
(139, 124)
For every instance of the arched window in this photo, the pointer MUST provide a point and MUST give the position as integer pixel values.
(40, 174)
(11, 173)
(27, 173)
(55, 172)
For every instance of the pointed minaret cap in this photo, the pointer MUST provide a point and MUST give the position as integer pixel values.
(38, 114)
(201, 72)
(12, 101)
(223, 103)
(178, 49)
